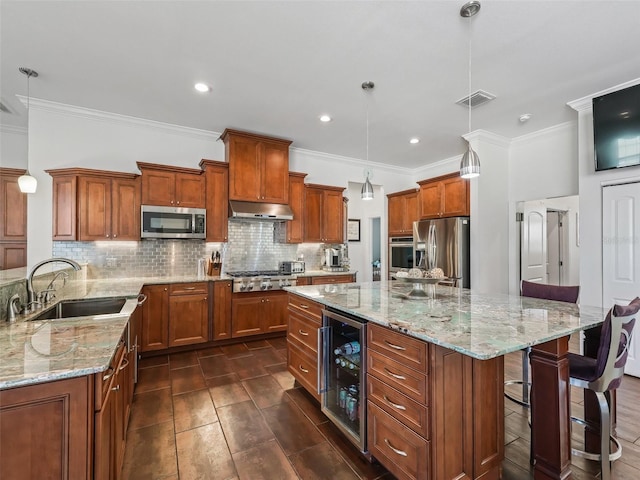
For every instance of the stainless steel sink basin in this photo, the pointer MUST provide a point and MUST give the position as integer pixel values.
(84, 307)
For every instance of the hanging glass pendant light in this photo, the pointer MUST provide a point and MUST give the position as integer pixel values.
(367, 189)
(470, 163)
(26, 182)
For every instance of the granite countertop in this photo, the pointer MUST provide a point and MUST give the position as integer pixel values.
(482, 326)
(45, 350)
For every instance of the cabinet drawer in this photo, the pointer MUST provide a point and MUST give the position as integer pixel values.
(325, 279)
(103, 380)
(406, 380)
(188, 288)
(404, 453)
(308, 308)
(304, 369)
(304, 331)
(411, 413)
(403, 348)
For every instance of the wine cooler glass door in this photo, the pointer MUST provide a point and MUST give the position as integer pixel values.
(343, 401)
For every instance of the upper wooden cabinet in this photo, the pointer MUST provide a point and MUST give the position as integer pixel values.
(172, 186)
(217, 187)
(95, 205)
(292, 231)
(258, 167)
(446, 196)
(324, 214)
(402, 212)
(13, 220)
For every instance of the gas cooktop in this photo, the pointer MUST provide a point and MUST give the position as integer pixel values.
(254, 273)
(255, 280)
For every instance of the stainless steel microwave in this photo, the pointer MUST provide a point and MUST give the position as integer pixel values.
(173, 222)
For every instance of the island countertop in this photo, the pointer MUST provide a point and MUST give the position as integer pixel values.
(482, 326)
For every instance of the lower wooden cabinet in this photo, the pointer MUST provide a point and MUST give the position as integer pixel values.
(258, 313)
(45, 430)
(221, 310)
(175, 315)
(304, 320)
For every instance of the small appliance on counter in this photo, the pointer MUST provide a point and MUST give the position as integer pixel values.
(291, 267)
(334, 259)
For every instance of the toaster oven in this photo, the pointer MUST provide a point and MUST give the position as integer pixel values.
(292, 267)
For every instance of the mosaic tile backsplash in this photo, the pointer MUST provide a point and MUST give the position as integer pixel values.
(251, 246)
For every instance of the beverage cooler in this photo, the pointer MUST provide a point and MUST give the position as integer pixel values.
(342, 376)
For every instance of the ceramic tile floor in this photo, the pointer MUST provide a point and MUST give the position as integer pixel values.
(235, 413)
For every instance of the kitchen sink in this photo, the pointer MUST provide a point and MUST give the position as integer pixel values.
(84, 307)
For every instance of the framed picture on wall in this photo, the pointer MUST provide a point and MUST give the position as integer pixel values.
(353, 230)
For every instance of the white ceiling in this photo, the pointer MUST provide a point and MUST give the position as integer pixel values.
(276, 66)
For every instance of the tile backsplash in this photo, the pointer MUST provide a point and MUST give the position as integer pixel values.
(251, 246)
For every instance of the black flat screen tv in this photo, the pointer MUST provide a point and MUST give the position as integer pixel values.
(616, 129)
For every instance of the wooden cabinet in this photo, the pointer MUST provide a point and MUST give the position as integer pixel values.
(171, 186)
(45, 430)
(13, 220)
(175, 315)
(324, 214)
(432, 412)
(304, 320)
(402, 212)
(217, 201)
(446, 196)
(292, 231)
(188, 314)
(221, 310)
(93, 205)
(258, 167)
(258, 313)
(327, 279)
(155, 318)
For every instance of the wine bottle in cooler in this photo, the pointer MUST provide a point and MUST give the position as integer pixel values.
(348, 348)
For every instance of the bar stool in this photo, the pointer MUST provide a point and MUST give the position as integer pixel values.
(604, 374)
(544, 291)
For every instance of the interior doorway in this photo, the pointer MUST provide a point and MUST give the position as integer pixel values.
(376, 249)
(549, 241)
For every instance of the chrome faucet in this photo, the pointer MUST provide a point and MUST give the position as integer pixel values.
(31, 294)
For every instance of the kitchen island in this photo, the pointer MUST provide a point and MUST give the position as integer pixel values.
(466, 335)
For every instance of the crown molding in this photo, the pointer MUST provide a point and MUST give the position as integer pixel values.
(489, 137)
(116, 118)
(353, 161)
(451, 163)
(529, 137)
(5, 128)
(584, 104)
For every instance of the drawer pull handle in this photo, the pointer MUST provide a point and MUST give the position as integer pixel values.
(395, 450)
(303, 370)
(189, 288)
(302, 332)
(125, 364)
(394, 346)
(116, 388)
(394, 375)
(108, 375)
(394, 405)
(302, 305)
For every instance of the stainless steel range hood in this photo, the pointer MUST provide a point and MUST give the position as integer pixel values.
(259, 211)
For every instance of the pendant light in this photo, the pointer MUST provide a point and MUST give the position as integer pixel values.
(367, 189)
(26, 182)
(470, 163)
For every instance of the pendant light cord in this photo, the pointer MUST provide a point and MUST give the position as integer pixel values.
(367, 133)
(469, 75)
(28, 105)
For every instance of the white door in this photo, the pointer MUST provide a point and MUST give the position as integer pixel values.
(554, 251)
(533, 248)
(621, 255)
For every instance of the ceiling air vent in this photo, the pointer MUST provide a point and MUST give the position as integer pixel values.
(479, 97)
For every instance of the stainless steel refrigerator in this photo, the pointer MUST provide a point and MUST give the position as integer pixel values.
(444, 243)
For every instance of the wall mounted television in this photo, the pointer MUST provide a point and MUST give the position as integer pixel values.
(616, 129)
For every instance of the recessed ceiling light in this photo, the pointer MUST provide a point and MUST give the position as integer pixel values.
(202, 87)
(325, 118)
(525, 117)
(414, 140)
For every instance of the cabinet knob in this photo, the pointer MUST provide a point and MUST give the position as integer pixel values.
(165, 289)
(178, 202)
(228, 284)
(107, 235)
(115, 235)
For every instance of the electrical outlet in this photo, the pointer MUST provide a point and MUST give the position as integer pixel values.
(111, 262)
